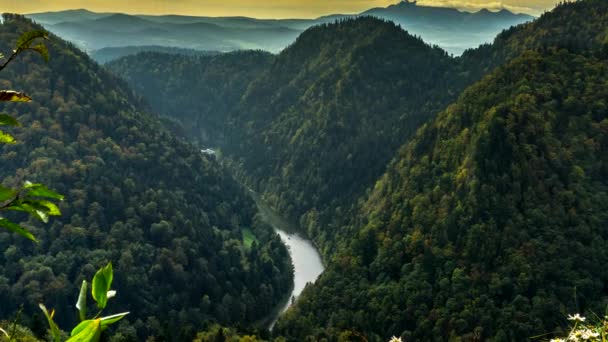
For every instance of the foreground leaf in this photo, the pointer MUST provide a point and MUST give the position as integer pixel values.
(26, 39)
(6, 194)
(81, 304)
(105, 321)
(39, 190)
(6, 138)
(49, 208)
(55, 334)
(32, 210)
(42, 50)
(15, 228)
(86, 331)
(13, 96)
(8, 120)
(101, 285)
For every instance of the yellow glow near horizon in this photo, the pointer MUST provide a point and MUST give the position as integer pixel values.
(259, 8)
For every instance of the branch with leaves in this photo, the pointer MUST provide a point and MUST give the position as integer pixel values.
(89, 330)
(33, 199)
(24, 43)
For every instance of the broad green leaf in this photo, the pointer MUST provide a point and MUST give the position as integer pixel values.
(28, 208)
(6, 138)
(15, 228)
(105, 321)
(55, 334)
(81, 304)
(42, 50)
(13, 96)
(49, 208)
(7, 194)
(86, 331)
(26, 39)
(8, 120)
(39, 190)
(101, 285)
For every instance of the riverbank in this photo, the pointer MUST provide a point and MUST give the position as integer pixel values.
(305, 257)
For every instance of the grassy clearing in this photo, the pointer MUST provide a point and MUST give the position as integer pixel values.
(248, 238)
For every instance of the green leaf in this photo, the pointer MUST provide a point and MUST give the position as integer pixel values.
(15, 228)
(28, 208)
(13, 96)
(101, 285)
(42, 50)
(6, 138)
(8, 120)
(81, 304)
(49, 208)
(26, 39)
(86, 331)
(7, 194)
(40, 190)
(55, 334)
(105, 321)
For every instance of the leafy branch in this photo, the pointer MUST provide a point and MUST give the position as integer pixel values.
(33, 199)
(89, 330)
(24, 43)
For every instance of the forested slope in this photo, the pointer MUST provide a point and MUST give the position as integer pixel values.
(578, 26)
(490, 224)
(169, 218)
(319, 122)
(199, 91)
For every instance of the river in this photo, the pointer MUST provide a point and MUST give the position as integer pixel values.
(305, 257)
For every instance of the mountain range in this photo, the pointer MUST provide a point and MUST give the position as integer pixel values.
(452, 197)
(449, 28)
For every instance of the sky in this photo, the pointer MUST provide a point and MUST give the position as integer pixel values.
(260, 8)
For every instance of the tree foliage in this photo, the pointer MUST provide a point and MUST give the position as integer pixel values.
(169, 217)
(490, 223)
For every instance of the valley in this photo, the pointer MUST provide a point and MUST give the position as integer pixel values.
(305, 257)
(350, 179)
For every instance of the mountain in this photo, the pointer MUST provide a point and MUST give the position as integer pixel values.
(449, 28)
(52, 18)
(108, 54)
(577, 27)
(490, 223)
(197, 91)
(171, 219)
(117, 30)
(314, 126)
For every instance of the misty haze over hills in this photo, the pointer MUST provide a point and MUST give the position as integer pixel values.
(451, 29)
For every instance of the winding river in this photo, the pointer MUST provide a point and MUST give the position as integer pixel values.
(305, 257)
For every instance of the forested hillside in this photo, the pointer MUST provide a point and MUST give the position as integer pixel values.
(198, 91)
(490, 224)
(578, 26)
(169, 218)
(318, 127)
(318, 124)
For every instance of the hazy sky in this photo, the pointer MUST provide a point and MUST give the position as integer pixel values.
(258, 8)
